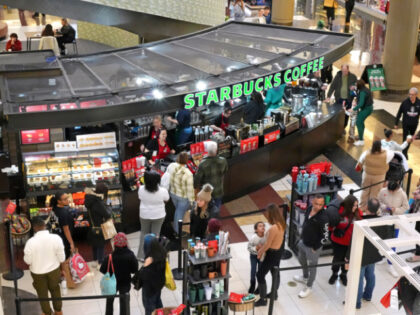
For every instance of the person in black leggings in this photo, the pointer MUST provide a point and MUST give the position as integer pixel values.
(272, 249)
(349, 9)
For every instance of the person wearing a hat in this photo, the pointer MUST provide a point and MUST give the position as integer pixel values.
(203, 210)
(125, 263)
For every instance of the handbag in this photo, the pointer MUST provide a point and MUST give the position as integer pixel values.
(108, 282)
(169, 278)
(339, 232)
(108, 229)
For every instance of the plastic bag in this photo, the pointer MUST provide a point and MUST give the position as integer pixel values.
(169, 278)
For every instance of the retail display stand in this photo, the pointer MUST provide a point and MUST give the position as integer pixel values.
(205, 306)
(296, 215)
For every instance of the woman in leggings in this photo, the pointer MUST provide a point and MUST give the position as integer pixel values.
(272, 249)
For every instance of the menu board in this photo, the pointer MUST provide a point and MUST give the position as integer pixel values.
(376, 77)
(65, 146)
(249, 144)
(35, 136)
(96, 141)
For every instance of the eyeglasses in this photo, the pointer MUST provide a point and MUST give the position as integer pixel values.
(412, 94)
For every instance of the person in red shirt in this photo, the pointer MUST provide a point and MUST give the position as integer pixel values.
(14, 44)
(222, 121)
(159, 148)
(154, 132)
(341, 236)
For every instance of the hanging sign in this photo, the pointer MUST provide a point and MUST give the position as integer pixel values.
(376, 77)
(96, 141)
(35, 136)
(246, 88)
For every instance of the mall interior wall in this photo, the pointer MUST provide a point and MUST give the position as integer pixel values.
(282, 12)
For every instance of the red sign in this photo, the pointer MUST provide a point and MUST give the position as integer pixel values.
(94, 103)
(249, 144)
(35, 136)
(68, 106)
(272, 136)
(198, 148)
(11, 207)
(33, 108)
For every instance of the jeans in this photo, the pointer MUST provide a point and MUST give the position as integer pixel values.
(339, 253)
(397, 232)
(308, 255)
(148, 226)
(367, 272)
(181, 206)
(48, 282)
(255, 265)
(98, 253)
(110, 303)
(184, 135)
(151, 302)
(218, 204)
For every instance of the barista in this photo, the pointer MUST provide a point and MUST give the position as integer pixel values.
(159, 149)
(274, 99)
(254, 109)
(154, 131)
(222, 121)
(182, 121)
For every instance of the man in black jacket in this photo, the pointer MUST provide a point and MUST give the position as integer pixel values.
(68, 35)
(341, 86)
(370, 255)
(410, 110)
(314, 235)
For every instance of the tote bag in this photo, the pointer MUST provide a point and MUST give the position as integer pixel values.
(78, 267)
(108, 282)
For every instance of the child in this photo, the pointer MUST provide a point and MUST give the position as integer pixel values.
(257, 240)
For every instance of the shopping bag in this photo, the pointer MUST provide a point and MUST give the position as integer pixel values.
(108, 282)
(108, 229)
(78, 268)
(169, 278)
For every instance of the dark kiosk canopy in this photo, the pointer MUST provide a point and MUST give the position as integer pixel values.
(40, 90)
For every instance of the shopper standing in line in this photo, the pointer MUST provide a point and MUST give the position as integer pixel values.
(410, 111)
(203, 210)
(152, 207)
(341, 86)
(341, 236)
(272, 249)
(254, 245)
(95, 202)
(314, 235)
(330, 6)
(125, 264)
(212, 170)
(393, 201)
(181, 188)
(390, 144)
(152, 274)
(44, 252)
(370, 255)
(364, 108)
(375, 165)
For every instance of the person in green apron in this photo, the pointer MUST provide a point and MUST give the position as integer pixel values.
(274, 98)
(364, 108)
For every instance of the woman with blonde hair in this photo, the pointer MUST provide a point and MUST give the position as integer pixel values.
(272, 248)
(203, 210)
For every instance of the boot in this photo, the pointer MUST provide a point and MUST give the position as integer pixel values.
(333, 278)
(263, 294)
(252, 287)
(343, 278)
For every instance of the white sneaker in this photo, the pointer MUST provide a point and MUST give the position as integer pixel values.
(392, 271)
(305, 292)
(300, 279)
(359, 143)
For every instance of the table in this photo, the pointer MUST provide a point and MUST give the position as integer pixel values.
(34, 35)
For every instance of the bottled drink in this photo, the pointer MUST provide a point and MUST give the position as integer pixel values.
(197, 135)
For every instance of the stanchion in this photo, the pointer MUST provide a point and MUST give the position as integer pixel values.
(177, 272)
(184, 282)
(15, 273)
(18, 308)
(410, 173)
(273, 290)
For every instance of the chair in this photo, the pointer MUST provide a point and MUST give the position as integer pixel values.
(49, 42)
(74, 43)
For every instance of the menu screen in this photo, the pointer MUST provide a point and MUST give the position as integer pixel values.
(35, 136)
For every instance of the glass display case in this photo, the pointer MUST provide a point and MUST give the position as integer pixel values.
(46, 172)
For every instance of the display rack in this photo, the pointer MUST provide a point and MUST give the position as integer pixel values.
(191, 263)
(295, 225)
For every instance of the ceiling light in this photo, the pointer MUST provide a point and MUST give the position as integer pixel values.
(157, 94)
(201, 85)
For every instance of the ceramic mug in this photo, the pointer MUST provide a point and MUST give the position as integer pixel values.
(213, 275)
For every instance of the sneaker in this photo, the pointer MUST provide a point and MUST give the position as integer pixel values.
(367, 300)
(343, 279)
(359, 143)
(392, 271)
(300, 279)
(305, 292)
(332, 279)
(261, 302)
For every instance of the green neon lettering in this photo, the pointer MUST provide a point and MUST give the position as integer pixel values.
(309, 67)
(303, 70)
(237, 90)
(225, 93)
(248, 87)
(321, 63)
(189, 101)
(259, 88)
(212, 97)
(268, 84)
(295, 73)
(200, 97)
(277, 80)
(287, 76)
(315, 65)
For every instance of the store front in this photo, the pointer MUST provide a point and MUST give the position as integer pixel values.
(83, 119)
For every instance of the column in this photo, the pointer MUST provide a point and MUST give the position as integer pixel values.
(400, 43)
(282, 12)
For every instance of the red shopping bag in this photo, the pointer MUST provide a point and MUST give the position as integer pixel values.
(78, 267)
(386, 299)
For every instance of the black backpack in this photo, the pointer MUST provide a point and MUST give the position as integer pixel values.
(334, 217)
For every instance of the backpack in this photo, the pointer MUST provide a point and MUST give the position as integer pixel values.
(334, 217)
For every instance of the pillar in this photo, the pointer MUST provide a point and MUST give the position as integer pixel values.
(400, 43)
(282, 12)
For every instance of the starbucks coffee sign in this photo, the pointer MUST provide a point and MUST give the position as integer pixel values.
(246, 88)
